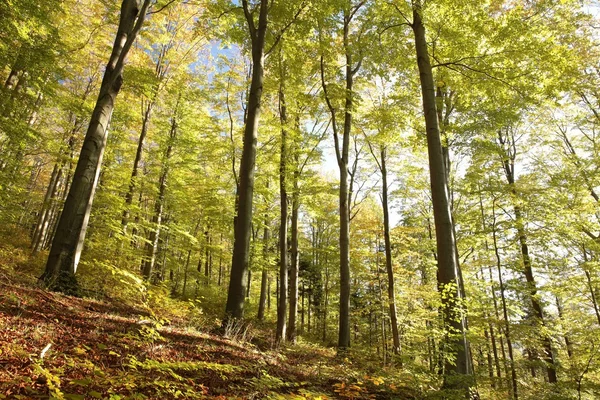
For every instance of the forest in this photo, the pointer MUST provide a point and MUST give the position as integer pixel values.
(301, 199)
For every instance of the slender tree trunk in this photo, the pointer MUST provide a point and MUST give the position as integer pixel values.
(283, 221)
(220, 279)
(568, 343)
(448, 279)
(325, 300)
(509, 154)
(591, 286)
(40, 230)
(239, 264)
(136, 166)
(342, 155)
(265, 273)
(507, 334)
(207, 256)
(152, 243)
(185, 275)
(388, 253)
(303, 312)
(292, 328)
(309, 304)
(160, 72)
(68, 243)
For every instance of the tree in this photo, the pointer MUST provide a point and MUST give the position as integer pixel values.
(69, 240)
(239, 263)
(349, 11)
(448, 275)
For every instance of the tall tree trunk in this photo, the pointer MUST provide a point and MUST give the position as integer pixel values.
(265, 273)
(303, 310)
(494, 300)
(456, 343)
(136, 165)
(39, 232)
(507, 334)
(508, 146)
(239, 264)
(568, 343)
(388, 252)
(207, 256)
(325, 300)
(68, 243)
(591, 286)
(342, 154)
(160, 71)
(282, 287)
(292, 328)
(152, 243)
(220, 279)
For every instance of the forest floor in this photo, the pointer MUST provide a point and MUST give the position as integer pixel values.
(62, 347)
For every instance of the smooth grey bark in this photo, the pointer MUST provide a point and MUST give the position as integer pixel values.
(72, 225)
(282, 287)
(152, 243)
(239, 264)
(457, 370)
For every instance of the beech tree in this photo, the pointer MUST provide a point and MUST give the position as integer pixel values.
(448, 275)
(341, 135)
(69, 240)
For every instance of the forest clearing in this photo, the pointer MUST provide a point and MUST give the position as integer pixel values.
(246, 199)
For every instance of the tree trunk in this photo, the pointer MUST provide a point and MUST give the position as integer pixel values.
(388, 253)
(39, 233)
(508, 158)
(207, 255)
(152, 243)
(591, 287)
(325, 300)
(160, 72)
(239, 264)
(68, 243)
(507, 334)
(292, 328)
(265, 274)
(342, 160)
(283, 221)
(136, 166)
(448, 279)
(303, 310)
(568, 343)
